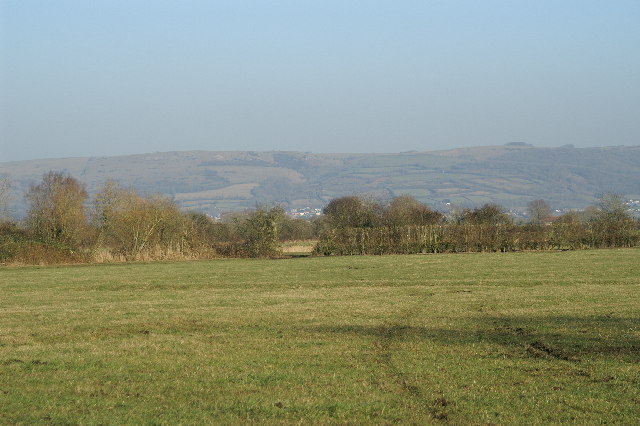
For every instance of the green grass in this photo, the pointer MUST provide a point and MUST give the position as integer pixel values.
(516, 338)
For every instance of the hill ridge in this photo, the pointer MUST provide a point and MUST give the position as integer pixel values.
(218, 181)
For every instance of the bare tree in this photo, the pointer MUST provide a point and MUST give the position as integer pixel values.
(56, 209)
(538, 211)
(131, 224)
(611, 207)
(612, 224)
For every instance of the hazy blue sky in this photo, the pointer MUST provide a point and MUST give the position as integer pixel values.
(109, 77)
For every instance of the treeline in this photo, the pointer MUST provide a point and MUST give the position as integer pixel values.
(405, 226)
(64, 225)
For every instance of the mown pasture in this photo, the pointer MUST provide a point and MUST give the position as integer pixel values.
(487, 338)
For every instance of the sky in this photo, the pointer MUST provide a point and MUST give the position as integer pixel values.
(117, 77)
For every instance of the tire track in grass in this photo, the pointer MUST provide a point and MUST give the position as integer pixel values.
(386, 338)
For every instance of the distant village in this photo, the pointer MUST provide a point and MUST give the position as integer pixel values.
(310, 212)
(516, 214)
(304, 213)
(633, 209)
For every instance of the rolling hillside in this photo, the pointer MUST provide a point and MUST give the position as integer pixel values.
(215, 182)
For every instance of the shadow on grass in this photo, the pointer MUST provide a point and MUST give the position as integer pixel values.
(560, 337)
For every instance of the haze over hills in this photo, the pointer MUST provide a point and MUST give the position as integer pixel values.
(215, 182)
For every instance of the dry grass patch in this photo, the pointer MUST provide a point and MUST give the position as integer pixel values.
(522, 338)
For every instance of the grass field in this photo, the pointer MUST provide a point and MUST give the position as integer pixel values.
(515, 338)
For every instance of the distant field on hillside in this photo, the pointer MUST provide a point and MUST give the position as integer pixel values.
(215, 182)
(494, 338)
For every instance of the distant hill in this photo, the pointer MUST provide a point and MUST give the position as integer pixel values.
(215, 182)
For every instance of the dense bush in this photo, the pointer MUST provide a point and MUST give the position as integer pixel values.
(17, 245)
(406, 210)
(132, 227)
(11, 238)
(418, 239)
(353, 212)
(291, 229)
(260, 233)
(456, 238)
(57, 210)
(120, 225)
(486, 228)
